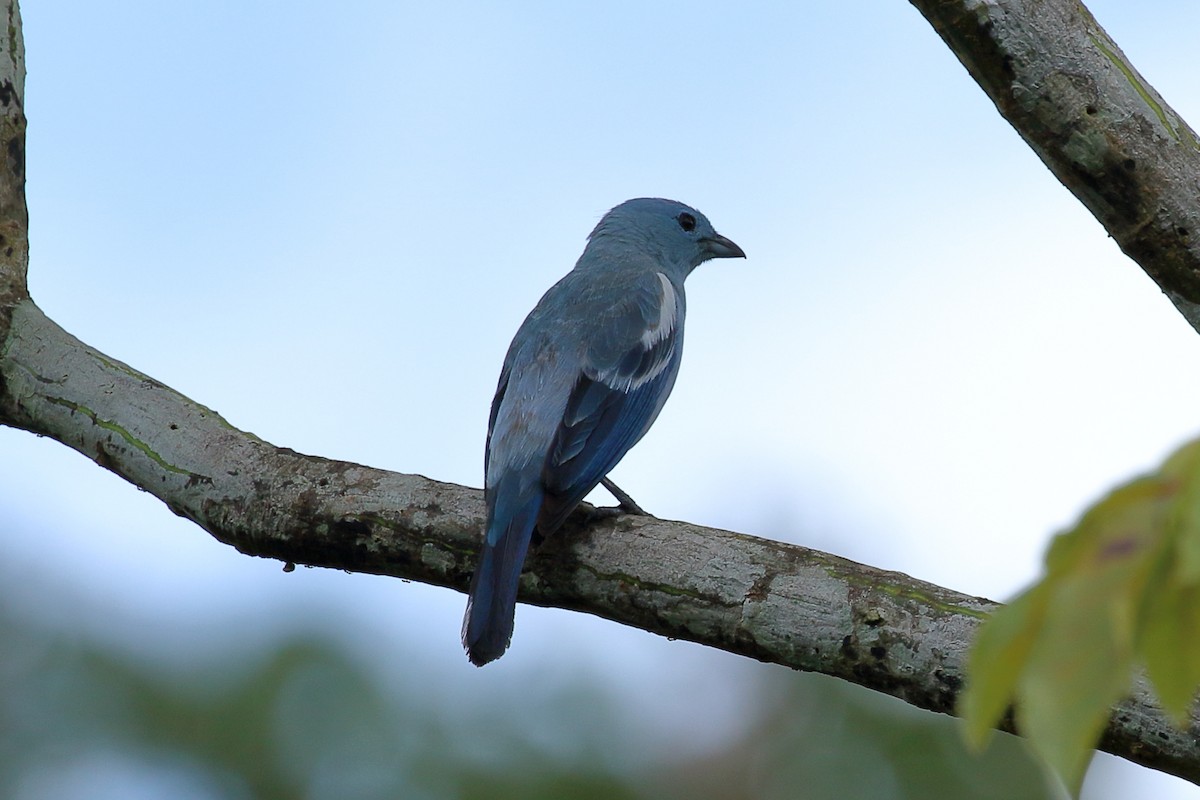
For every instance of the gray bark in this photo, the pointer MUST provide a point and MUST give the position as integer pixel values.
(1087, 113)
(1103, 131)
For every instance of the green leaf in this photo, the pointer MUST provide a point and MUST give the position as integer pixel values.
(1123, 586)
(996, 660)
(1182, 469)
(1079, 666)
(1170, 646)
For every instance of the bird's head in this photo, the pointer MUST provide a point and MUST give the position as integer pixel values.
(668, 229)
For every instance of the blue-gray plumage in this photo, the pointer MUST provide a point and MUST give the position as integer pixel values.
(584, 378)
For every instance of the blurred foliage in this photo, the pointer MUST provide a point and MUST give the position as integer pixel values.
(1120, 589)
(304, 722)
(823, 739)
(81, 719)
(920, 754)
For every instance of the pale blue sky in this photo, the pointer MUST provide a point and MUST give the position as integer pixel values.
(327, 224)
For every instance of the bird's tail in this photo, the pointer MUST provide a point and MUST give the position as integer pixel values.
(492, 601)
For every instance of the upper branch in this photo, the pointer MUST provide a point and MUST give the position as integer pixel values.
(1103, 131)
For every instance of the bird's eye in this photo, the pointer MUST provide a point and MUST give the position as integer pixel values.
(687, 222)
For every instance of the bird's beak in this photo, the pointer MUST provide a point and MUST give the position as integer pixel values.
(717, 246)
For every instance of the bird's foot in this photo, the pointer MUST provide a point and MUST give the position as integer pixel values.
(626, 503)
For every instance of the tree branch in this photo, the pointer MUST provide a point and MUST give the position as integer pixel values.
(1103, 131)
(14, 218)
(763, 599)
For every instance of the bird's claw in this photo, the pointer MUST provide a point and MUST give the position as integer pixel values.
(626, 504)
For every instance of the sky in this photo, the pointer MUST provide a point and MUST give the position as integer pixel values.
(327, 222)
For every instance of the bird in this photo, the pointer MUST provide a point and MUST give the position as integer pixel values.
(584, 379)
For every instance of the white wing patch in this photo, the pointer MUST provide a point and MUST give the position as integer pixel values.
(666, 315)
(655, 349)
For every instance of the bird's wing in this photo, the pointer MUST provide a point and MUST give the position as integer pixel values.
(497, 401)
(628, 371)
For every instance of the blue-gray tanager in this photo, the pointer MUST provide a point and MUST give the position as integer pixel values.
(584, 378)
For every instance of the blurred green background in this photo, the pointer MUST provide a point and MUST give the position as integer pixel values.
(303, 715)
